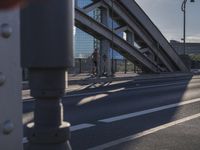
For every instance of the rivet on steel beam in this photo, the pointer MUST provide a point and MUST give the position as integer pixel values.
(6, 30)
(8, 127)
(2, 78)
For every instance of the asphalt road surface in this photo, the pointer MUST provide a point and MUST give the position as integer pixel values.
(145, 115)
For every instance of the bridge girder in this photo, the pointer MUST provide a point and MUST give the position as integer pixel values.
(88, 24)
(129, 21)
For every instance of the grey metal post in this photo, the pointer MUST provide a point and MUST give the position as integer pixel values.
(130, 37)
(134, 68)
(184, 23)
(80, 65)
(105, 46)
(115, 65)
(125, 68)
(10, 81)
(47, 51)
(183, 8)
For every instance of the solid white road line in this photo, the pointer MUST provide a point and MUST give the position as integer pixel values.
(144, 133)
(81, 126)
(139, 113)
(126, 116)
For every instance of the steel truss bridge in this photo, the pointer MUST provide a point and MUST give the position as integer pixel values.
(154, 53)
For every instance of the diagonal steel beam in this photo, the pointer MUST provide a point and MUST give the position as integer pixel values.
(130, 21)
(148, 25)
(88, 24)
(122, 29)
(93, 6)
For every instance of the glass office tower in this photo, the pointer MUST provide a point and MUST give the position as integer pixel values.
(84, 43)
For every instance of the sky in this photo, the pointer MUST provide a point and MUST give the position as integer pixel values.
(168, 17)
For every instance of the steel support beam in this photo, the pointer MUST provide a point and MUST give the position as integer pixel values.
(122, 29)
(10, 81)
(94, 5)
(95, 28)
(130, 37)
(105, 63)
(130, 21)
(147, 24)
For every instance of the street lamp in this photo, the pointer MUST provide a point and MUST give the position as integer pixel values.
(183, 8)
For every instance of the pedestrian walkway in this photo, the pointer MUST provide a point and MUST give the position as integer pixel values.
(79, 81)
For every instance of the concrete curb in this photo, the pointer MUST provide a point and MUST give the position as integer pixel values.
(136, 78)
(133, 78)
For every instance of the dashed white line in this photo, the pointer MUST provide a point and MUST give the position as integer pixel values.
(144, 133)
(139, 113)
(24, 140)
(81, 126)
(126, 116)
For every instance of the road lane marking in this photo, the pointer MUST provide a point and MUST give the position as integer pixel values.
(148, 111)
(25, 140)
(144, 133)
(81, 126)
(91, 98)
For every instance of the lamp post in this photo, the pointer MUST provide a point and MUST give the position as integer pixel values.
(183, 8)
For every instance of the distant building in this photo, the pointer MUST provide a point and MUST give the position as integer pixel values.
(191, 48)
(85, 43)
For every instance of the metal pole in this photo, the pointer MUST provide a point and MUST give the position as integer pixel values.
(105, 46)
(184, 26)
(183, 8)
(125, 66)
(80, 65)
(47, 51)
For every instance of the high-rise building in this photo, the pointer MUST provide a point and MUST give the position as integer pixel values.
(85, 43)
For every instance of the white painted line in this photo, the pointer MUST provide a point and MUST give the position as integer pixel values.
(144, 133)
(24, 140)
(91, 98)
(148, 111)
(81, 126)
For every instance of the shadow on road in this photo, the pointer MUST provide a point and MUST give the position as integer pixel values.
(114, 99)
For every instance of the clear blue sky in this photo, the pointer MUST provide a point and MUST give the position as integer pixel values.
(168, 17)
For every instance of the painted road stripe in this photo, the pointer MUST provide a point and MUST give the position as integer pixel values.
(24, 140)
(81, 126)
(144, 133)
(144, 112)
(72, 129)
